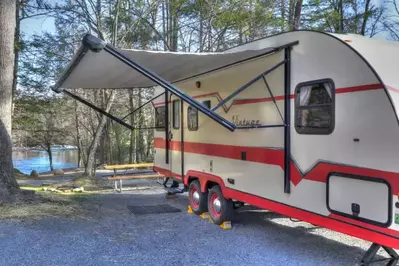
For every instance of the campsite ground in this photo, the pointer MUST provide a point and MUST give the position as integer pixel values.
(99, 229)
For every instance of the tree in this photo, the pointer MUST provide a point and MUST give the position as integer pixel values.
(46, 121)
(343, 16)
(391, 19)
(8, 184)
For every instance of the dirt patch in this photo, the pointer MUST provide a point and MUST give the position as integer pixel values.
(88, 184)
(19, 175)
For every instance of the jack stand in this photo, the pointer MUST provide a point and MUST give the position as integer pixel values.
(204, 216)
(372, 251)
(226, 225)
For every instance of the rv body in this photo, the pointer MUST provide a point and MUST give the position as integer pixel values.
(344, 167)
(301, 123)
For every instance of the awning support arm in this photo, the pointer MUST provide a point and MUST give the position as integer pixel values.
(138, 108)
(114, 118)
(274, 99)
(245, 86)
(287, 120)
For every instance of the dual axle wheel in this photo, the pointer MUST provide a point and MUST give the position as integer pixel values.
(220, 209)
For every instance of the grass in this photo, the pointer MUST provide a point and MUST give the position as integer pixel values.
(46, 204)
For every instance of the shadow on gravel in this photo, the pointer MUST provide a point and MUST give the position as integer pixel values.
(255, 233)
(302, 235)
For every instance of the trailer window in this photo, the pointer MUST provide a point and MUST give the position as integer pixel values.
(192, 118)
(314, 104)
(176, 114)
(207, 103)
(160, 118)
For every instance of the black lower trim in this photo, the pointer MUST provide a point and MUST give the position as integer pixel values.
(364, 178)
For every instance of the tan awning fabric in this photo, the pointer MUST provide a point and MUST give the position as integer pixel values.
(103, 70)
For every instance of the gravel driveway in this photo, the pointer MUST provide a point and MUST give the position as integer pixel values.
(114, 236)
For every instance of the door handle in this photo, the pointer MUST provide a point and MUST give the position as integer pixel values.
(170, 135)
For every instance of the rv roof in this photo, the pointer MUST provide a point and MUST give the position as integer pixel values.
(90, 69)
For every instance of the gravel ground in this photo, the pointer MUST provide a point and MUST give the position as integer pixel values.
(114, 236)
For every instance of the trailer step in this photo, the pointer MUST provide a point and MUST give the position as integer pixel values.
(175, 190)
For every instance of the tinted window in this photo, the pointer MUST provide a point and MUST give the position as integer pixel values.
(207, 103)
(314, 103)
(160, 118)
(176, 114)
(192, 118)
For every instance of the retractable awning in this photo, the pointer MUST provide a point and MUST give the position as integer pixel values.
(91, 69)
(98, 65)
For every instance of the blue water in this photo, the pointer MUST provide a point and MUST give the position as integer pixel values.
(26, 161)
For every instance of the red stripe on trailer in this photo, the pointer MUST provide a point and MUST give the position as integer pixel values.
(359, 88)
(366, 225)
(292, 96)
(197, 96)
(314, 218)
(335, 223)
(392, 88)
(276, 157)
(372, 233)
(167, 172)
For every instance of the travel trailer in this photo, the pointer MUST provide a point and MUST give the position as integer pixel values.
(300, 123)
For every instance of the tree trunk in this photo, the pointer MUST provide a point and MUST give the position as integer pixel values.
(365, 17)
(8, 183)
(132, 132)
(291, 8)
(89, 169)
(17, 46)
(78, 142)
(118, 142)
(341, 16)
(103, 138)
(201, 29)
(282, 15)
(139, 147)
(164, 26)
(50, 157)
(297, 15)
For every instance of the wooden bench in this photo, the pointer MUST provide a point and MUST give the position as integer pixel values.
(119, 178)
(127, 166)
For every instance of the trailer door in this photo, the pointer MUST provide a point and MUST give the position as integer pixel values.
(175, 136)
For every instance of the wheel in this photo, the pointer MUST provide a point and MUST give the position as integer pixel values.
(197, 199)
(220, 208)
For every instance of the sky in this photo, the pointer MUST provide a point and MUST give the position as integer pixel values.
(38, 25)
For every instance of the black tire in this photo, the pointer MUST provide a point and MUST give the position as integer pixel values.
(226, 206)
(202, 205)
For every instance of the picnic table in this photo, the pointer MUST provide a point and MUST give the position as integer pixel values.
(126, 167)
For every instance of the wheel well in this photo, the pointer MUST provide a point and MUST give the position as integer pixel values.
(210, 184)
(191, 178)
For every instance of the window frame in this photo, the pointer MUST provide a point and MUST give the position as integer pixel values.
(314, 131)
(176, 111)
(156, 114)
(196, 117)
